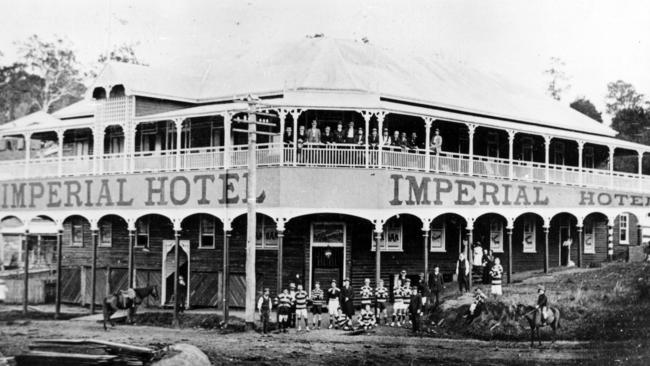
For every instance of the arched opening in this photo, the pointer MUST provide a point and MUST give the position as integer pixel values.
(41, 242)
(117, 91)
(99, 93)
(113, 140)
(76, 259)
(12, 230)
(154, 235)
(528, 243)
(204, 272)
(447, 239)
(562, 240)
(489, 234)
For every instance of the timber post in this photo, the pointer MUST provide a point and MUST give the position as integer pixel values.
(59, 260)
(26, 273)
(93, 271)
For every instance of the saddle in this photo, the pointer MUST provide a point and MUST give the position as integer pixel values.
(548, 316)
(127, 297)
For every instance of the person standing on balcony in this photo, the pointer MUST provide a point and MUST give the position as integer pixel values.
(413, 142)
(349, 134)
(385, 139)
(339, 134)
(302, 137)
(359, 138)
(396, 140)
(373, 139)
(436, 143)
(403, 142)
(462, 272)
(328, 137)
(313, 134)
(287, 138)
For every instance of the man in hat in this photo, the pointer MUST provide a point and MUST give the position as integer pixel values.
(292, 314)
(283, 303)
(436, 143)
(328, 137)
(339, 134)
(436, 284)
(406, 294)
(347, 299)
(359, 138)
(373, 139)
(317, 302)
(385, 139)
(301, 307)
(182, 290)
(349, 133)
(542, 303)
(333, 302)
(287, 138)
(264, 306)
(462, 272)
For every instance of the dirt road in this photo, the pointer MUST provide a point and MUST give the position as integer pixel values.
(329, 347)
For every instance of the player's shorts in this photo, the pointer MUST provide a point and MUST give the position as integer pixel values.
(282, 310)
(365, 302)
(333, 307)
(316, 309)
(398, 305)
(301, 313)
(381, 306)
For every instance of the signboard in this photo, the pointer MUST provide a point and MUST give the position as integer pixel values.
(529, 236)
(391, 238)
(438, 239)
(496, 236)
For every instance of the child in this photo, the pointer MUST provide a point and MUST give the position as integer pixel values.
(318, 300)
(301, 307)
(398, 303)
(264, 306)
(283, 303)
(381, 294)
(366, 293)
(342, 320)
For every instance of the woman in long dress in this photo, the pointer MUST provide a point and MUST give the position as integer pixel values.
(497, 273)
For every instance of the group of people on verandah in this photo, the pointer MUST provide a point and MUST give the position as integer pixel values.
(398, 140)
(409, 300)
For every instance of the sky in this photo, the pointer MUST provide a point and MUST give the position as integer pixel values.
(600, 41)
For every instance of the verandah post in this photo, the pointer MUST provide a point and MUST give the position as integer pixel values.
(509, 254)
(580, 244)
(131, 282)
(26, 272)
(546, 229)
(59, 259)
(93, 270)
(177, 241)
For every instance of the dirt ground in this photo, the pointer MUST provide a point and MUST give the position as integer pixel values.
(607, 323)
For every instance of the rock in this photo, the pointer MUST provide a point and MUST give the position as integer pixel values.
(183, 355)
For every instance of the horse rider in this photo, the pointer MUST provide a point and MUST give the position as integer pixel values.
(542, 303)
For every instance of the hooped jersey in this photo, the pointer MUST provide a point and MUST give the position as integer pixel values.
(381, 294)
(406, 294)
(341, 320)
(283, 301)
(398, 295)
(317, 297)
(301, 299)
(366, 294)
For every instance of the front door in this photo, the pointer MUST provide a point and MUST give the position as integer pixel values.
(327, 265)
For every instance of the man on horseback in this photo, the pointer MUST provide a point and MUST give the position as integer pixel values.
(542, 303)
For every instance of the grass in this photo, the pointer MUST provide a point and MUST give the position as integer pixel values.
(607, 303)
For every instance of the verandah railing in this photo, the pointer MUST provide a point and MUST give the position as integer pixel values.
(343, 156)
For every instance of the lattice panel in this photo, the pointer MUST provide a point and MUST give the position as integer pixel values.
(115, 111)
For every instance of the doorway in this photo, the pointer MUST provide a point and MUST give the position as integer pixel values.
(327, 265)
(169, 268)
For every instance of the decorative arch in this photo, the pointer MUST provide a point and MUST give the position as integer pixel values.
(117, 91)
(99, 93)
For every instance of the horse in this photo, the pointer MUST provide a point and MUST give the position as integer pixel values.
(119, 301)
(534, 317)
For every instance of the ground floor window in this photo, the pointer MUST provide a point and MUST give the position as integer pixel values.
(266, 236)
(624, 229)
(529, 236)
(77, 232)
(142, 233)
(207, 231)
(391, 238)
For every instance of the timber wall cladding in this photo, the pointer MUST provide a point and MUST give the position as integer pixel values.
(71, 285)
(145, 106)
(146, 278)
(528, 261)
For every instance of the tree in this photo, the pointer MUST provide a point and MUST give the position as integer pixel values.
(632, 124)
(622, 95)
(18, 89)
(56, 64)
(584, 106)
(559, 82)
(122, 53)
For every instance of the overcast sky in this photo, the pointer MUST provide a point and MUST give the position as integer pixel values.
(600, 41)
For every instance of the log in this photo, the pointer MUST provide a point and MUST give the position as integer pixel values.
(37, 358)
(184, 355)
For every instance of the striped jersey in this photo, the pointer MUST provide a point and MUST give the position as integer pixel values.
(341, 320)
(367, 318)
(398, 295)
(366, 294)
(381, 294)
(301, 299)
(283, 301)
(317, 297)
(406, 293)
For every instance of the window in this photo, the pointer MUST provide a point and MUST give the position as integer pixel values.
(266, 236)
(328, 234)
(438, 239)
(589, 247)
(529, 236)
(391, 238)
(105, 234)
(624, 228)
(77, 232)
(142, 233)
(206, 231)
(496, 236)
